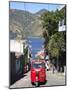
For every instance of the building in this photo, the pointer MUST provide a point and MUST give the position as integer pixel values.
(18, 57)
(62, 23)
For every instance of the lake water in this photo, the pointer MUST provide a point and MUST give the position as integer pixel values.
(35, 45)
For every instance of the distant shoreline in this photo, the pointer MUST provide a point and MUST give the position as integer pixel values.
(35, 37)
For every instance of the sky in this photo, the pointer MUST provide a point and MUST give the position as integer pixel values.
(34, 7)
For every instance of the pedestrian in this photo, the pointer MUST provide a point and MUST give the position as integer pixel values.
(53, 67)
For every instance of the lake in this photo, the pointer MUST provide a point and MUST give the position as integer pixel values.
(35, 45)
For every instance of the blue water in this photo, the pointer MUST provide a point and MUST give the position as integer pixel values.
(35, 45)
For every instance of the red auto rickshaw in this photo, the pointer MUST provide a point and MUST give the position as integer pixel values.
(38, 72)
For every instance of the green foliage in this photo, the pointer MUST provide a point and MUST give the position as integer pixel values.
(26, 55)
(56, 44)
(50, 21)
(55, 41)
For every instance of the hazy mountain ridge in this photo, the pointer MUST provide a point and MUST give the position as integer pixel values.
(41, 12)
(23, 24)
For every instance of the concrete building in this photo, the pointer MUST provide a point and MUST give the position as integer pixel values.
(62, 23)
(17, 59)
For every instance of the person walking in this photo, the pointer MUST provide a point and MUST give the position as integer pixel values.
(53, 68)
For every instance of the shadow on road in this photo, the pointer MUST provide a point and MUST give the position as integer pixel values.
(43, 83)
(18, 77)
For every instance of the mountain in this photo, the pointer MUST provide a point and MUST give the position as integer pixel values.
(23, 24)
(40, 12)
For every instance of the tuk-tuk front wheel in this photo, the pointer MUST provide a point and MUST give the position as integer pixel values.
(36, 84)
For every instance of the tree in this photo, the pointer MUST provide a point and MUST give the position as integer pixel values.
(56, 44)
(55, 41)
(50, 22)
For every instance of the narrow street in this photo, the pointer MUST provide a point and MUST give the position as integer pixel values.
(52, 80)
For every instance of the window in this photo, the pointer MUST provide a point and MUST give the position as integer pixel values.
(38, 65)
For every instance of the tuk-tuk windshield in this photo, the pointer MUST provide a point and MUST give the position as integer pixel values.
(38, 65)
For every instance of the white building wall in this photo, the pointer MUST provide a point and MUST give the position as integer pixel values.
(16, 46)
